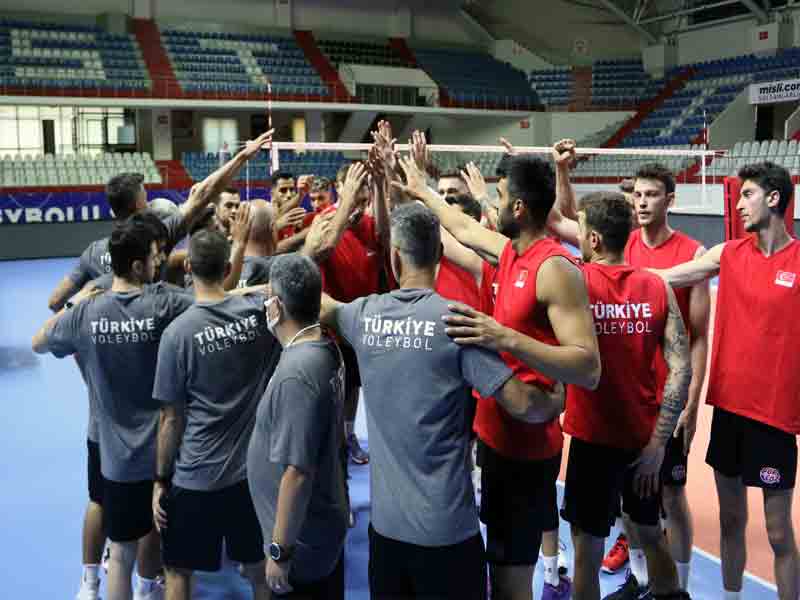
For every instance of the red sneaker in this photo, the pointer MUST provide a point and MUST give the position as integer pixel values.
(617, 557)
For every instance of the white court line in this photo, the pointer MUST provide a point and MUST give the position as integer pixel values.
(716, 559)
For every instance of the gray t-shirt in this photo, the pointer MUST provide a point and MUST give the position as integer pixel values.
(416, 384)
(216, 361)
(116, 335)
(299, 423)
(255, 271)
(96, 260)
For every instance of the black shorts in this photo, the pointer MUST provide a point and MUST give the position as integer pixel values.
(762, 455)
(352, 377)
(596, 478)
(127, 509)
(197, 522)
(327, 588)
(94, 475)
(518, 503)
(398, 570)
(673, 469)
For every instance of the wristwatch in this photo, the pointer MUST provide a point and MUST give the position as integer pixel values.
(280, 553)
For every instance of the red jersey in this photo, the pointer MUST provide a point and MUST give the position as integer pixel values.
(630, 309)
(755, 362)
(353, 268)
(677, 249)
(516, 307)
(454, 283)
(488, 289)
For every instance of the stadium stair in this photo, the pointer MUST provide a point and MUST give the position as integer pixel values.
(315, 56)
(675, 85)
(155, 57)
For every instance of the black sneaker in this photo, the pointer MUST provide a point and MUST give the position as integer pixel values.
(631, 590)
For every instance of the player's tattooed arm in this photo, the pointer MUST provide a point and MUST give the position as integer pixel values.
(679, 360)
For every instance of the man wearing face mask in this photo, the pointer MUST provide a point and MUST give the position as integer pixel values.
(293, 467)
(213, 368)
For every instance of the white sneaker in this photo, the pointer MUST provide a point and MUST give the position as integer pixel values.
(106, 558)
(156, 592)
(88, 592)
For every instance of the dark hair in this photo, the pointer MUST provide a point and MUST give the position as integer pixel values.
(296, 280)
(321, 184)
(532, 180)
(770, 177)
(209, 253)
(150, 218)
(626, 186)
(121, 193)
(130, 241)
(610, 215)
(231, 190)
(280, 175)
(455, 172)
(658, 172)
(502, 168)
(415, 232)
(468, 204)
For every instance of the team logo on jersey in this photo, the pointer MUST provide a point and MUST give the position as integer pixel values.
(785, 278)
(523, 277)
(678, 473)
(770, 475)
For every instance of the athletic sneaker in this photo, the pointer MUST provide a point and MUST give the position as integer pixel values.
(106, 558)
(88, 592)
(631, 590)
(351, 521)
(563, 561)
(561, 591)
(617, 557)
(156, 591)
(357, 454)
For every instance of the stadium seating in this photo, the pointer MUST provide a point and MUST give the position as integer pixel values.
(615, 82)
(235, 64)
(325, 164)
(553, 86)
(361, 53)
(617, 166)
(715, 84)
(46, 55)
(475, 78)
(50, 170)
(782, 152)
(450, 162)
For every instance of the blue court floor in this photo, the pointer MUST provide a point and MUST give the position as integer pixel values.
(44, 468)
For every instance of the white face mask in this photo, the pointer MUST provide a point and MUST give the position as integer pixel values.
(272, 323)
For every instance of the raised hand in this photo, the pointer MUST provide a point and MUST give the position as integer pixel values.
(252, 147)
(419, 151)
(240, 226)
(416, 185)
(384, 145)
(356, 174)
(475, 182)
(564, 153)
(293, 218)
(509, 147)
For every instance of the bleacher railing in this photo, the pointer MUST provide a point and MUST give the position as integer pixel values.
(171, 89)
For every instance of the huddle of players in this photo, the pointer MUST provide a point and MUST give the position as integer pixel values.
(552, 320)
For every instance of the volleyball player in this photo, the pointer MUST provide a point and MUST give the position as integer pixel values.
(753, 378)
(116, 334)
(619, 435)
(543, 306)
(424, 537)
(214, 363)
(654, 244)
